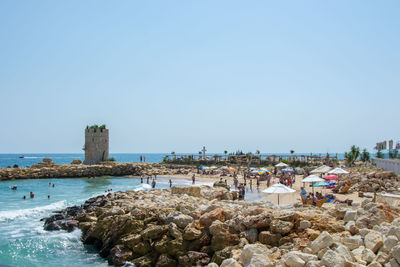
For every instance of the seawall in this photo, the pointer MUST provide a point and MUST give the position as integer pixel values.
(392, 165)
(80, 170)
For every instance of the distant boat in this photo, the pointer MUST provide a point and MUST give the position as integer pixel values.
(21, 157)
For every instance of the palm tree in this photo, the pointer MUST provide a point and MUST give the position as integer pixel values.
(353, 155)
(258, 152)
(225, 152)
(292, 151)
(365, 155)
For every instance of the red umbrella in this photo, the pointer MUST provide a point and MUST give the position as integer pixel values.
(331, 177)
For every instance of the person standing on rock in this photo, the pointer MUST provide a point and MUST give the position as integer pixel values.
(193, 179)
(153, 184)
(141, 179)
(148, 179)
(170, 183)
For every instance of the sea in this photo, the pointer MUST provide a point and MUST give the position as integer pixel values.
(24, 242)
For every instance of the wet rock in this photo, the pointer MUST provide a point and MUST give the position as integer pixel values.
(165, 261)
(193, 258)
(154, 231)
(119, 255)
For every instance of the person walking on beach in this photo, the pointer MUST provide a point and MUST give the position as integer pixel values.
(170, 183)
(144, 159)
(193, 179)
(153, 184)
(148, 179)
(303, 193)
(141, 158)
(141, 179)
(258, 184)
(251, 185)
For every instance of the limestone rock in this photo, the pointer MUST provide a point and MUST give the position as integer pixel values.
(207, 219)
(180, 219)
(230, 263)
(255, 255)
(373, 241)
(323, 240)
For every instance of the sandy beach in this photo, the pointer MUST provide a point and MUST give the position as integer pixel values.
(255, 194)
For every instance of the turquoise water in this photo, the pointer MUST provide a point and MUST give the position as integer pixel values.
(23, 242)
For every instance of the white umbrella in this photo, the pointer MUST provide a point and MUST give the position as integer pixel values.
(278, 189)
(312, 179)
(338, 171)
(322, 169)
(281, 164)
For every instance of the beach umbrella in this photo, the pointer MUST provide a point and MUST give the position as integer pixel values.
(287, 170)
(281, 164)
(278, 189)
(331, 177)
(224, 168)
(213, 167)
(321, 184)
(338, 171)
(254, 172)
(263, 171)
(201, 167)
(321, 169)
(312, 179)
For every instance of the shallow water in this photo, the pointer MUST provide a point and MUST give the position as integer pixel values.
(23, 242)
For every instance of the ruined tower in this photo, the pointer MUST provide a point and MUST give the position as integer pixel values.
(96, 144)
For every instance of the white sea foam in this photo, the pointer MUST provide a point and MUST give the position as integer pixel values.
(24, 213)
(142, 187)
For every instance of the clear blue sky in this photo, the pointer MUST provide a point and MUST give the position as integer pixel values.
(313, 76)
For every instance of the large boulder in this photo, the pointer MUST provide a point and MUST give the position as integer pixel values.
(255, 255)
(180, 219)
(207, 218)
(324, 240)
(373, 240)
(191, 191)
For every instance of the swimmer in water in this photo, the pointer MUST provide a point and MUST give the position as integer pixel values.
(48, 197)
(32, 194)
(24, 197)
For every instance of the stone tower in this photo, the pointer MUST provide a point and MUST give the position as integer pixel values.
(96, 144)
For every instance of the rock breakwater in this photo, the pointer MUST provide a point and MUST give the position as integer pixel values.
(204, 226)
(50, 170)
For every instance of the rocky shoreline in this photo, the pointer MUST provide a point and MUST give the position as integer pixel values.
(200, 226)
(48, 169)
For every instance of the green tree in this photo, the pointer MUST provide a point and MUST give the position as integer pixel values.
(292, 151)
(365, 156)
(173, 153)
(258, 152)
(380, 155)
(352, 155)
(225, 152)
(393, 153)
